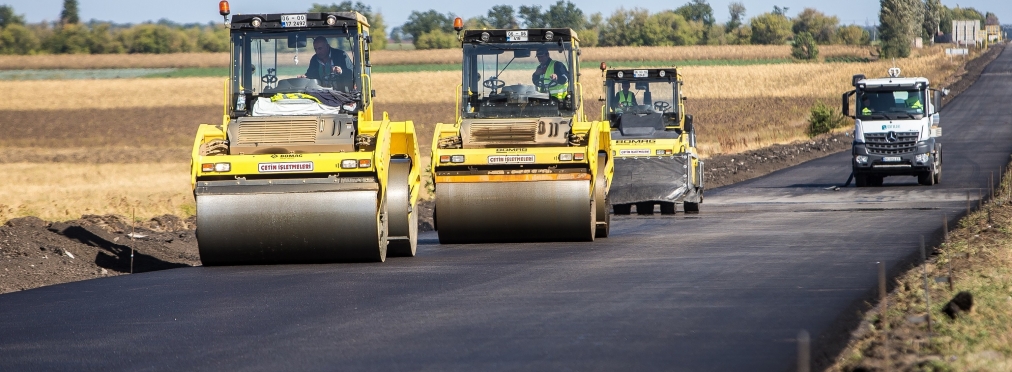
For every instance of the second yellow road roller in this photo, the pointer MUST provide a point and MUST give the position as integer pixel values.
(299, 171)
(521, 162)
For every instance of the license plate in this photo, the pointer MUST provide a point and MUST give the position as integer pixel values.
(304, 166)
(891, 159)
(511, 159)
(634, 152)
(516, 35)
(293, 20)
(640, 73)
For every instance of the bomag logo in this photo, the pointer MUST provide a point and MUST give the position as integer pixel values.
(510, 149)
(635, 142)
(286, 156)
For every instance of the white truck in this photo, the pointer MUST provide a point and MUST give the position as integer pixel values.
(896, 129)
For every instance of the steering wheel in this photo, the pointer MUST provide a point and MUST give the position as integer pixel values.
(271, 78)
(662, 106)
(494, 84)
(545, 86)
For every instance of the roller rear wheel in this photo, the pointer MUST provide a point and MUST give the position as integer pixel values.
(403, 239)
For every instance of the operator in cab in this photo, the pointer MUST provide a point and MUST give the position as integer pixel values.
(624, 98)
(331, 67)
(551, 76)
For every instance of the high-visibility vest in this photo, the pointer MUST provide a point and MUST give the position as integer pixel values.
(558, 91)
(915, 103)
(281, 96)
(866, 111)
(625, 99)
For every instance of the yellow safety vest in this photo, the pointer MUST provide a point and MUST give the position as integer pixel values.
(625, 99)
(558, 91)
(866, 111)
(914, 103)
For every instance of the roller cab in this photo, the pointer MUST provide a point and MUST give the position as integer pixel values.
(653, 142)
(520, 163)
(299, 171)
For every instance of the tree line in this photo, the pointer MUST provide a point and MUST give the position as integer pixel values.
(690, 24)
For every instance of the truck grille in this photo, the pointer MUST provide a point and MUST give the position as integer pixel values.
(275, 131)
(891, 143)
(511, 131)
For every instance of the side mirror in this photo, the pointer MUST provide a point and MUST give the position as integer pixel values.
(845, 104)
(936, 99)
(522, 53)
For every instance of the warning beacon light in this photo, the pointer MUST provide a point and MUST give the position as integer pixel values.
(223, 9)
(458, 24)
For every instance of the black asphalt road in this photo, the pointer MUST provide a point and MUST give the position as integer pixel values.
(725, 291)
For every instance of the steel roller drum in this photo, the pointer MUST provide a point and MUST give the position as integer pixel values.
(403, 218)
(483, 212)
(649, 179)
(294, 227)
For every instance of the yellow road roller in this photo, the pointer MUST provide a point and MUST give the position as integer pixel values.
(299, 171)
(653, 142)
(521, 163)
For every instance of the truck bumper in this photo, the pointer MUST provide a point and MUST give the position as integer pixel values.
(910, 163)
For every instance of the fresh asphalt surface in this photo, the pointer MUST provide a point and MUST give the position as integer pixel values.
(726, 290)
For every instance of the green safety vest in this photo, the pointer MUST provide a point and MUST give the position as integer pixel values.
(625, 99)
(558, 91)
(866, 111)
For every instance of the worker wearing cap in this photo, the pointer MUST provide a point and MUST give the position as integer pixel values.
(624, 98)
(329, 63)
(552, 75)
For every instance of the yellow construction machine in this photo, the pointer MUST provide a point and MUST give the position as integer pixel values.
(652, 140)
(299, 171)
(521, 162)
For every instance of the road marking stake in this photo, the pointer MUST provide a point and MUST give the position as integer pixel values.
(927, 289)
(945, 228)
(882, 311)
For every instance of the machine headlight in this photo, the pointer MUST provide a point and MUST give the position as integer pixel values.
(457, 159)
(349, 163)
(861, 159)
(256, 22)
(922, 158)
(222, 167)
(565, 157)
(331, 20)
(485, 36)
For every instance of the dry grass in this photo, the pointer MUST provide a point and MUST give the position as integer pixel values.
(106, 128)
(94, 61)
(408, 57)
(979, 255)
(63, 191)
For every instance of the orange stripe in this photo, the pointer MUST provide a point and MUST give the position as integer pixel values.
(514, 177)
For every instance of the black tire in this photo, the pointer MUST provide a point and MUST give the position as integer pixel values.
(938, 176)
(926, 178)
(622, 209)
(690, 207)
(667, 208)
(645, 208)
(876, 181)
(860, 180)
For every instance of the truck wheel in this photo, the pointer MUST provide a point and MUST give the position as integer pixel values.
(667, 208)
(860, 180)
(926, 178)
(622, 209)
(645, 208)
(875, 180)
(938, 176)
(691, 207)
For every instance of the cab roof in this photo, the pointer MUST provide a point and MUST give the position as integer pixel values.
(533, 35)
(887, 82)
(272, 21)
(630, 74)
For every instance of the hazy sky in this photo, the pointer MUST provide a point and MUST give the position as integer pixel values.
(396, 12)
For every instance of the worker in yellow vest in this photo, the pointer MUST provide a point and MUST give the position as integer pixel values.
(551, 76)
(624, 98)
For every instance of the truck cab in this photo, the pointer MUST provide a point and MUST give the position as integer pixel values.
(896, 130)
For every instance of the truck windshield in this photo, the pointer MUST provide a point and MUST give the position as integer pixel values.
(266, 63)
(892, 104)
(658, 96)
(517, 80)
